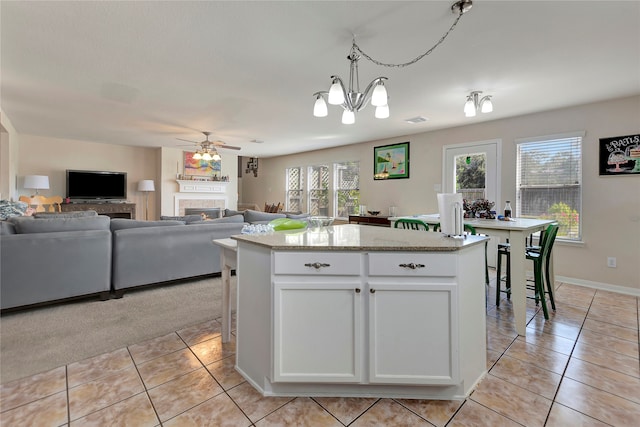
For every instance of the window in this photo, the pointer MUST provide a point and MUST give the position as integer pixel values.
(295, 188)
(549, 181)
(347, 188)
(318, 196)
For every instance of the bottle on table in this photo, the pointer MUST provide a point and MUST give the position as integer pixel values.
(507, 210)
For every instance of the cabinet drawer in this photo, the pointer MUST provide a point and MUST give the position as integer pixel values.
(317, 263)
(412, 264)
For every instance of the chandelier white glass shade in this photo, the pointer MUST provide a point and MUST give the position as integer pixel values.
(475, 103)
(351, 99)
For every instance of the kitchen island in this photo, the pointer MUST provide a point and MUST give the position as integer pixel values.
(352, 310)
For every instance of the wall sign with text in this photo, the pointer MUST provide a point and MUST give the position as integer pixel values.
(620, 155)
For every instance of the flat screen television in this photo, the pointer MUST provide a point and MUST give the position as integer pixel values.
(96, 185)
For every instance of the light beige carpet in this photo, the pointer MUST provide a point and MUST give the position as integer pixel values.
(44, 338)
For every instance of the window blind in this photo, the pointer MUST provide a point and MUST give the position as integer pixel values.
(549, 182)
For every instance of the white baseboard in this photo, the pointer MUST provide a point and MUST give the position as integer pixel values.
(599, 285)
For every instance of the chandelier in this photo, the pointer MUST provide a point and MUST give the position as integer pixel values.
(475, 103)
(351, 99)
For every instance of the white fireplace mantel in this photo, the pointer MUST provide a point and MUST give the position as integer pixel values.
(193, 186)
(202, 194)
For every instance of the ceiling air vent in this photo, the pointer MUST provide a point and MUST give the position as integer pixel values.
(418, 119)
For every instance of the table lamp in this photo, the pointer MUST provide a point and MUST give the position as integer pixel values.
(146, 185)
(37, 182)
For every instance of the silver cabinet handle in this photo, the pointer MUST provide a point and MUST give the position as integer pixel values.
(357, 290)
(373, 291)
(412, 265)
(317, 265)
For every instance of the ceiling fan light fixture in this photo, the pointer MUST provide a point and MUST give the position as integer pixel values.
(197, 156)
(216, 157)
(207, 157)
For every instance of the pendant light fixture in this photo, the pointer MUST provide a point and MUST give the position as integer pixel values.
(351, 99)
(475, 103)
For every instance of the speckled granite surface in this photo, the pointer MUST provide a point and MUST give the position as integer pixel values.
(359, 237)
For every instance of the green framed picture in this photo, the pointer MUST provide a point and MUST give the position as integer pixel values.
(391, 161)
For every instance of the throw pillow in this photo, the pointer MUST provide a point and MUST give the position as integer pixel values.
(223, 220)
(229, 212)
(10, 209)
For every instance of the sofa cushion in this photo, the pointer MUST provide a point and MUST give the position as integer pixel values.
(52, 225)
(231, 212)
(256, 217)
(72, 214)
(124, 223)
(7, 227)
(186, 218)
(223, 220)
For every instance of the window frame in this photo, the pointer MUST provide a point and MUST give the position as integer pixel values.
(549, 140)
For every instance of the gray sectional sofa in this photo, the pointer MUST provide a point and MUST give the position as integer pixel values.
(51, 257)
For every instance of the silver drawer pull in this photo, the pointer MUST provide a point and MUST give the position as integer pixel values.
(412, 265)
(317, 265)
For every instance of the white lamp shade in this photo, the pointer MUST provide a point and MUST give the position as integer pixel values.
(320, 107)
(336, 95)
(379, 96)
(216, 157)
(487, 105)
(206, 157)
(469, 108)
(348, 117)
(197, 156)
(39, 182)
(146, 185)
(382, 112)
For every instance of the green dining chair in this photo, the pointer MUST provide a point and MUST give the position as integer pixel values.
(541, 257)
(411, 224)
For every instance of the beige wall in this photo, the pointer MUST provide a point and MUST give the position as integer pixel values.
(52, 157)
(611, 205)
(8, 158)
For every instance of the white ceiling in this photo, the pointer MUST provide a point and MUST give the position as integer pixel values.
(145, 73)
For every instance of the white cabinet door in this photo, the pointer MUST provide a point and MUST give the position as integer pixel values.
(317, 330)
(413, 333)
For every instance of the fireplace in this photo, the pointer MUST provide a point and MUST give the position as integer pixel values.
(210, 213)
(197, 196)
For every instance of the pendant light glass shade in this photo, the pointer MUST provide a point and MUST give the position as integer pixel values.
(207, 157)
(197, 156)
(382, 112)
(348, 117)
(216, 157)
(336, 96)
(320, 107)
(469, 108)
(379, 96)
(487, 106)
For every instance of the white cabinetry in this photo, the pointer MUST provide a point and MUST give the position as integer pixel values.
(322, 305)
(413, 319)
(361, 322)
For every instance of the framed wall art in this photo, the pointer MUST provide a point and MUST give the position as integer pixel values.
(391, 161)
(200, 168)
(620, 155)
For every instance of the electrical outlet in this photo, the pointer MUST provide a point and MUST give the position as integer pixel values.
(611, 262)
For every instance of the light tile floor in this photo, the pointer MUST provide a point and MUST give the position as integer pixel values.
(581, 367)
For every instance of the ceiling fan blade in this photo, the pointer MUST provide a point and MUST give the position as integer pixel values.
(186, 140)
(230, 147)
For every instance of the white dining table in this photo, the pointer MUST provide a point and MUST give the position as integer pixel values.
(516, 230)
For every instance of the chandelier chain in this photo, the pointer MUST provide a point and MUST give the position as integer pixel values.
(413, 61)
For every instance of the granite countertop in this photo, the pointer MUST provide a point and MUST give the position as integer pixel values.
(352, 237)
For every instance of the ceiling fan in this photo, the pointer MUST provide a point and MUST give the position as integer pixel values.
(206, 150)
